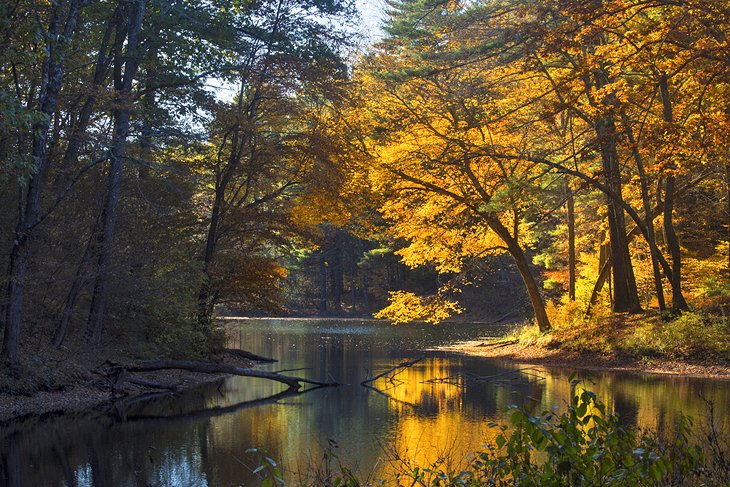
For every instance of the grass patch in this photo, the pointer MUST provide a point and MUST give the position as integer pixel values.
(699, 336)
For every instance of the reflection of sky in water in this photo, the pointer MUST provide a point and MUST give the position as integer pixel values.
(159, 444)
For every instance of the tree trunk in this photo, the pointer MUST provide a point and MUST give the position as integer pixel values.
(294, 383)
(12, 461)
(363, 278)
(322, 267)
(678, 302)
(336, 274)
(123, 87)
(604, 269)
(518, 255)
(648, 215)
(101, 68)
(239, 142)
(625, 294)
(571, 240)
(205, 304)
(70, 303)
(30, 200)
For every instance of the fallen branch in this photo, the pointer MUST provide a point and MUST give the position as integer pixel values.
(294, 383)
(462, 378)
(248, 355)
(498, 343)
(401, 365)
(502, 318)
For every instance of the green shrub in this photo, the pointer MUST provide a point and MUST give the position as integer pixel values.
(585, 446)
(694, 334)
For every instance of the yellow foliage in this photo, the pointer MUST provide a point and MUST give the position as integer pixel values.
(405, 307)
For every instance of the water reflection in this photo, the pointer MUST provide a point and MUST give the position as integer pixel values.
(201, 437)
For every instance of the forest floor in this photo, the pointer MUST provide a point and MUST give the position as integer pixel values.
(621, 343)
(541, 355)
(67, 381)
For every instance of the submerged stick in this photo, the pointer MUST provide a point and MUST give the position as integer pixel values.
(401, 365)
(463, 377)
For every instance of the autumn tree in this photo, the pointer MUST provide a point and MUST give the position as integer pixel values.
(264, 141)
(534, 88)
(429, 126)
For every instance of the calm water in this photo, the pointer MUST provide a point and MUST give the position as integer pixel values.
(201, 437)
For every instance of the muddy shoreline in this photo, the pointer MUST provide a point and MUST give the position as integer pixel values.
(537, 355)
(89, 395)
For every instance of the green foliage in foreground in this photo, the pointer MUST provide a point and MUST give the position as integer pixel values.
(584, 446)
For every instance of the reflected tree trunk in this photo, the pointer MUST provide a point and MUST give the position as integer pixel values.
(12, 461)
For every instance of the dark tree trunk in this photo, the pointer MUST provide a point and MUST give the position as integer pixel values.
(678, 302)
(337, 274)
(625, 294)
(239, 143)
(101, 69)
(52, 80)
(518, 255)
(75, 290)
(648, 215)
(604, 270)
(12, 461)
(205, 304)
(322, 278)
(570, 204)
(123, 86)
(363, 279)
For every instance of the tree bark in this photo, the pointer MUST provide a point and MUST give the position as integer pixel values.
(518, 255)
(322, 278)
(101, 68)
(70, 303)
(625, 294)
(12, 461)
(205, 304)
(123, 86)
(570, 206)
(59, 33)
(336, 274)
(679, 304)
(648, 215)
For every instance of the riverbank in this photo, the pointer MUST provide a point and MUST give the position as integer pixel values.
(539, 355)
(688, 346)
(67, 383)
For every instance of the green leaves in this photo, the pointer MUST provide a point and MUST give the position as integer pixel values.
(584, 446)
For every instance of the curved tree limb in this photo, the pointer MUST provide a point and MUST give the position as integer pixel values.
(294, 383)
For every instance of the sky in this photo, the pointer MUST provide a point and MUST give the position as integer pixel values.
(372, 15)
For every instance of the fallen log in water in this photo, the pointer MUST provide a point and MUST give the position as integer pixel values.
(248, 355)
(402, 365)
(294, 383)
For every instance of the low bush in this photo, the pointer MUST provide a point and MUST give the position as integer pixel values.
(586, 445)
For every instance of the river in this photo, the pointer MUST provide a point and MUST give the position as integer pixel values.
(202, 437)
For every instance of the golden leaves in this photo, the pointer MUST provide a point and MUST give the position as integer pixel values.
(405, 307)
